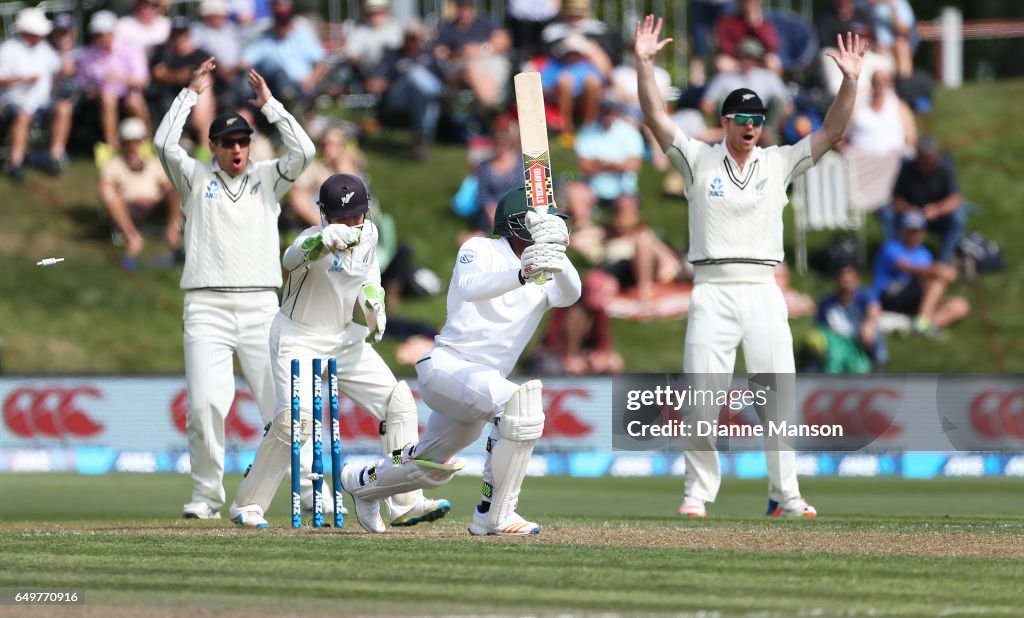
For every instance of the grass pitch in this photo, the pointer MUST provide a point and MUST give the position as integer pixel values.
(880, 547)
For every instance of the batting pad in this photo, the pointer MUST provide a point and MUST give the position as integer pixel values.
(271, 463)
(399, 429)
(519, 427)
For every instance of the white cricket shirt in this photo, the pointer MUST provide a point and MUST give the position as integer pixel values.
(491, 316)
(736, 215)
(322, 294)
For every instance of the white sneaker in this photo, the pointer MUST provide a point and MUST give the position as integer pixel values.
(200, 510)
(693, 507)
(250, 519)
(367, 512)
(794, 507)
(425, 510)
(515, 525)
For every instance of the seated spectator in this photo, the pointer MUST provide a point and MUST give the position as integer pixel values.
(525, 21)
(928, 184)
(751, 74)
(114, 74)
(576, 18)
(895, 32)
(146, 27)
(873, 61)
(883, 124)
(134, 190)
(840, 17)
(475, 50)
(747, 23)
(908, 281)
(288, 55)
(28, 67)
(171, 68)
(215, 31)
(338, 155)
(574, 83)
(578, 340)
(630, 252)
(410, 80)
(623, 89)
(609, 154)
(704, 14)
(499, 174)
(367, 40)
(846, 338)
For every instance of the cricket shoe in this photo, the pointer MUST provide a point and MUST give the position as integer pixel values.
(250, 519)
(794, 507)
(367, 511)
(515, 525)
(423, 511)
(200, 510)
(692, 507)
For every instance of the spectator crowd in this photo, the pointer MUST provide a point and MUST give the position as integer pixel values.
(99, 92)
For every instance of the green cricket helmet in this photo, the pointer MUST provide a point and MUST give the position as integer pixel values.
(510, 215)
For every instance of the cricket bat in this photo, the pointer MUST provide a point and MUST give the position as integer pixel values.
(533, 135)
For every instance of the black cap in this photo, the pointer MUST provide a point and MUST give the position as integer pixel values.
(179, 23)
(343, 195)
(63, 21)
(229, 122)
(743, 101)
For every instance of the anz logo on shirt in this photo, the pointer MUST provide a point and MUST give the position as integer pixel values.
(337, 263)
(716, 188)
(212, 191)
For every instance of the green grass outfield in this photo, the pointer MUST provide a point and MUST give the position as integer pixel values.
(880, 547)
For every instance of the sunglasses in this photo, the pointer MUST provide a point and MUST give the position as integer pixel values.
(230, 142)
(743, 119)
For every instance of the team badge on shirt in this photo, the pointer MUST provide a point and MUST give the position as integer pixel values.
(212, 191)
(717, 188)
(337, 264)
(467, 256)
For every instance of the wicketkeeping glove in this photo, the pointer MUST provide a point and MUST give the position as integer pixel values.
(371, 301)
(339, 237)
(547, 229)
(541, 258)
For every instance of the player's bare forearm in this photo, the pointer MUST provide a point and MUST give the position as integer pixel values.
(646, 47)
(849, 58)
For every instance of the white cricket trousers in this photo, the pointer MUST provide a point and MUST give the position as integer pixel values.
(722, 317)
(219, 325)
(465, 398)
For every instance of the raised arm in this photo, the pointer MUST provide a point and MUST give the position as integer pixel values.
(646, 47)
(849, 60)
(300, 148)
(175, 161)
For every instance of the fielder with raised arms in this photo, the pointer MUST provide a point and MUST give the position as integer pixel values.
(232, 270)
(493, 310)
(332, 268)
(736, 192)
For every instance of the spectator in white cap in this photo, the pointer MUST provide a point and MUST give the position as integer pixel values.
(375, 33)
(28, 65)
(114, 74)
(135, 190)
(216, 32)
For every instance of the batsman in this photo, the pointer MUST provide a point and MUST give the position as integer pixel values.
(494, 307)
(332, 269)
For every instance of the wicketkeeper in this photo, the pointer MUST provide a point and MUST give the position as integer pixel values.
(494, 307)
(332, 269)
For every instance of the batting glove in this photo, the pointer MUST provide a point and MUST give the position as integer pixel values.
(540, 259)
(550, 229)
(339, 237)
(371, 300)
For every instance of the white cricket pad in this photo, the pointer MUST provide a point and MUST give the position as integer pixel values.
(400, 429)
(401, 473)
(519, 427)
(271, 463)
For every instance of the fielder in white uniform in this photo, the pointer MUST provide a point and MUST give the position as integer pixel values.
(231, 272)
(332, 268)
(736, 192)
(494, 307)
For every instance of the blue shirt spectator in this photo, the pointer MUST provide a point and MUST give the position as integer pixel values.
(610, 144)
(894, 253)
